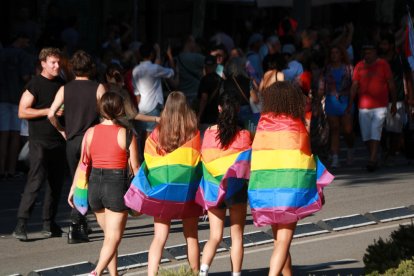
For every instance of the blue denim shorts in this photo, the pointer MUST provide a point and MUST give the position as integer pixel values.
(107, 188)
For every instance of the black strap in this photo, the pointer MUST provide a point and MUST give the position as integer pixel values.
(241, 91)
(215, 91)
(128, 139)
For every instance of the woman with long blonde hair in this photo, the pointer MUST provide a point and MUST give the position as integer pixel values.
(167, 181)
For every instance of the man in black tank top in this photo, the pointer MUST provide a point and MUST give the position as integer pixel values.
(79, 99)
(46, 145)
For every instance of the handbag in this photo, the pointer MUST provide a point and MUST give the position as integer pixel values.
(80, 195)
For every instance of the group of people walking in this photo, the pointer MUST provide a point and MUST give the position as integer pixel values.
(197, 158)
(184, 173)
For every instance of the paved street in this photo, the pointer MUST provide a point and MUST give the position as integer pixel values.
(331, 242)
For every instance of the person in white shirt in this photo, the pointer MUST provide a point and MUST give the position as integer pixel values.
(146, 79)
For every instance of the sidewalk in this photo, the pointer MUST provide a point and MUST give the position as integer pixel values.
(354, 192)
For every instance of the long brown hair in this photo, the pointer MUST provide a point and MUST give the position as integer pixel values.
(178, 123)
(342, 51)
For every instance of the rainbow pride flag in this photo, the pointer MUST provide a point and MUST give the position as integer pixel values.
(286, 180)
(80, 195)
(225, 172)
(165, 185)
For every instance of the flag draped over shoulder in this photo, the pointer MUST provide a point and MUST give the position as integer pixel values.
(225, 171)
(165, 185)
(80, 195)
(283, 180)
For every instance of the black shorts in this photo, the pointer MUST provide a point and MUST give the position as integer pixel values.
(107, 188)
(237, 198)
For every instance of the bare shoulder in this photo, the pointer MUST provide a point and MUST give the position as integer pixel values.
(100, 91)
(121, 138)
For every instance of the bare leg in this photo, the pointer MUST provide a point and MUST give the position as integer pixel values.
(287, 268)
(373, 150)
(282, 235)
(161, 231)
(237, 222)
(334, 133)
(216, 219)
(113, 224)
(348, 129)
(190, 226)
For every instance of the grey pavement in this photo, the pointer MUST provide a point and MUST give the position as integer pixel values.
(337, 249)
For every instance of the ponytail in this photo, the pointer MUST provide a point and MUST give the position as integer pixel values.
(227, 123)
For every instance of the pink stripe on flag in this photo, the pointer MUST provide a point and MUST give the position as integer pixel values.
(165, 209)
(284, 215)
(325, 179)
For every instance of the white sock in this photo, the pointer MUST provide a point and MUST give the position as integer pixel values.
(204, 270)
(236, 274)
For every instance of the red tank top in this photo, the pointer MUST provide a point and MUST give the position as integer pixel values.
(104, 149)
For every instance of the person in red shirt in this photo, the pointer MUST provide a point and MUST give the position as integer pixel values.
(105, 148)
(373, 82)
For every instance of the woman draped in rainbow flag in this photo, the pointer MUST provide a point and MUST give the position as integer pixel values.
(286, 180)
(225, 158)
(167, 181)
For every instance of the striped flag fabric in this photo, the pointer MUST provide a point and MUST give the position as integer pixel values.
(225, 171)
(80, 195)
(165, 185)
(283, 180)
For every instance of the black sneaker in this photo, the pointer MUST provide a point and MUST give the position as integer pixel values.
(78, 233)
(51, 229)
(20, 232)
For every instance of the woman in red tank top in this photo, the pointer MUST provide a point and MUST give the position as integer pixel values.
(105, 145)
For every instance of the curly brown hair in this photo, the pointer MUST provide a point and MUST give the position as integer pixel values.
(284, 98)
(178, 123)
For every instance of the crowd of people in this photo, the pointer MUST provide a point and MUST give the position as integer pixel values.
(209, 128)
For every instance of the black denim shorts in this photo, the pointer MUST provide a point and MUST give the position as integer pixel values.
(237, 198)
(107, 188)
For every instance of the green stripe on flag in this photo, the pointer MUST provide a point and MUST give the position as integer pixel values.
(286, 178)
(173, 174)
(210, 178)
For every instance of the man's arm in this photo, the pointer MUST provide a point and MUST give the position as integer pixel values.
(53, 110)
(26, 111)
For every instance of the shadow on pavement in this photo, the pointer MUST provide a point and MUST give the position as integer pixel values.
(326, 269)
